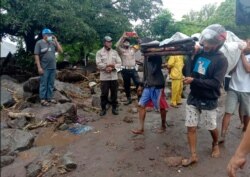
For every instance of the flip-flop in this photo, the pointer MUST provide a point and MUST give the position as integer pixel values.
(53, 101)
(137, 132)
(51, 118)
(188, 162)
(44, 103)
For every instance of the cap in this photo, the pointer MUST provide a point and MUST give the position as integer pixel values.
(214, 34)
(107, 38)
(47, 31)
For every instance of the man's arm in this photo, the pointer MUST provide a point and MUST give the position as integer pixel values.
(118, 61)
(218, 77)
(38, 64)
(246, 64)
(58, 46)
(239, 158)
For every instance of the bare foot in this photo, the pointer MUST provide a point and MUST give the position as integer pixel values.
(137, 131)
(190, 161)
(215, 151)
(161, 130)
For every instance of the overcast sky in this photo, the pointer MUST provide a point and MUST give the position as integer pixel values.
(181, 7)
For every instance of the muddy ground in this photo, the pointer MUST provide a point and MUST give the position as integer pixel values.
(110, 150)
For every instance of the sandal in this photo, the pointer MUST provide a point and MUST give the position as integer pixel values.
(53, 101)
(44, 103)
(137, 131)
(189, 161)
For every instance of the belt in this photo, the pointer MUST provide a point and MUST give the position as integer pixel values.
(127, 67)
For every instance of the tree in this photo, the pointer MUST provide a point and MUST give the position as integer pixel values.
(159, 27)
(226, 15)
(74, 21)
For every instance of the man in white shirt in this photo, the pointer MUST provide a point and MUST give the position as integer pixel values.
(239, 92)
(108, 61)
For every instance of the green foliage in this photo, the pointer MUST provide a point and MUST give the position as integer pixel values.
(226, 14)
(195, 21)
(159, 27)
(73, 21)
(25, 60)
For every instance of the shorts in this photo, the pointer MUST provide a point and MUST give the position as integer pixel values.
(153, 97)
(234, 98)
(205, 118)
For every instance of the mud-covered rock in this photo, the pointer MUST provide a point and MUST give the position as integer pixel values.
(6, 160)
(32, 85)
(15, 140)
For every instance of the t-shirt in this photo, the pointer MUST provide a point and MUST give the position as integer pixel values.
(152, 73)
(208, 71)
(127, 56)
(240, 80)
(46, 52)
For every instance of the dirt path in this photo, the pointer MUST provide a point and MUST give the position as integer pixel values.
(110, 150)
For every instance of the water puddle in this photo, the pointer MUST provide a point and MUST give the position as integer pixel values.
(56, 139)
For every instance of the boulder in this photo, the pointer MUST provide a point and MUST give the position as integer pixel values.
(32, 85)
(7, 99)
(6, 160)
(15, 140)
(54, 110)
(70, 76)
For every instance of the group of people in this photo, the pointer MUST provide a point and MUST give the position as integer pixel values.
(207, 71)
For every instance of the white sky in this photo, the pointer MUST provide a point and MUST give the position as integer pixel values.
(181, 7)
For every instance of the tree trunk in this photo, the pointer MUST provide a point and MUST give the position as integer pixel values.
(30, 42)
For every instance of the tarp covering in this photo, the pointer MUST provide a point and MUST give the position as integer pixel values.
(6, 47)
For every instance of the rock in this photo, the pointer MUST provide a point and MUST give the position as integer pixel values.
(15, 140)
(33, 170)
(70, 76)
(7, 99)
(96, 101)
(14, 170)
(68, 88)
(55, 110)
(32, 85)
(68, 162)
(128, 119)
(60, 97)
(38, 152)
(6, 160)
(173, 161)
(17, 123)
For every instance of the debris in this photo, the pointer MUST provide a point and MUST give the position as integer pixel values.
(79, 128)
(32, 126)
(14, 115)
(68, 162)
(128, 119)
